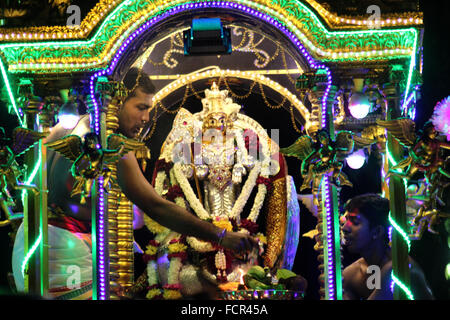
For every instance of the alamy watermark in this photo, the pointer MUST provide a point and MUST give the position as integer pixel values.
(375, 16)
(74, 279)
(374, 280)
(74, 20)
(228, 146)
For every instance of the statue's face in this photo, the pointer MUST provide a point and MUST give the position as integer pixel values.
(216, 121)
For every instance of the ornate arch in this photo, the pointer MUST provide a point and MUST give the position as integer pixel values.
(93, 45)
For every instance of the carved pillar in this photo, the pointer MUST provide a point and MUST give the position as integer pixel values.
(120, 219)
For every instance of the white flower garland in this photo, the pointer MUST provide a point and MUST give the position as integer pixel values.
(241, 144)
(159, 182)
(259, 201)
(189, 193)
(173, 180)
(265, 172)
(245, 192)
(199, 245)
(150, 223)
(173, 276)
(152, 274)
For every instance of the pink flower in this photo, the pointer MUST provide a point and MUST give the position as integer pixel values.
(441, 117)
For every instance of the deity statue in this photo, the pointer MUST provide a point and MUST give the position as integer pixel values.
(222, 166)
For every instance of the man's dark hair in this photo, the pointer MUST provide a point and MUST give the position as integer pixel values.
(374, 208)
(144, 82)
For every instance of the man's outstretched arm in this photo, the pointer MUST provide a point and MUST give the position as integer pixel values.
(142, 194)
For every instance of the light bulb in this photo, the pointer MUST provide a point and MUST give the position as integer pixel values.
(356, 159)
(359, 105)
(68, 115)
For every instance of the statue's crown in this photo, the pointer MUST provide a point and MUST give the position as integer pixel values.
(218, 101)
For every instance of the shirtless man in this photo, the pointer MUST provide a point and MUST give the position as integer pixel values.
(365, 227)
(69, 221)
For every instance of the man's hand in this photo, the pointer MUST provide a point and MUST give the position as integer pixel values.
(239, 242)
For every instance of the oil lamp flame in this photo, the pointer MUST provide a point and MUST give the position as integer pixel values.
(241, 278)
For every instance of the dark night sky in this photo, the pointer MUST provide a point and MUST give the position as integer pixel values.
(431, 252)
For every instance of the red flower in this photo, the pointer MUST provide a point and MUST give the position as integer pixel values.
(266, 181)
(174, 241)
(172, 286)
(153, 286)
(146, 258)
(174, 192)
(162, 165)
(181, 255)
(251, 226)
(153, 243)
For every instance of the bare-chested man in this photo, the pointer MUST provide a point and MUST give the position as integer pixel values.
(365, 227)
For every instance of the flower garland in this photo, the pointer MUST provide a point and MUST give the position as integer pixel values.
(174, 192)
(259, 201)
(163, 165)
(177, 254)
(152, 225)
(244, 157)
(245, 192)
(189, 193)
(154, 290)
(264, 186)
(177, 250)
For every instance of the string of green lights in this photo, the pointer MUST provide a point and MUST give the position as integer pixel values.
(405, 238)
(30, 253)
(10, 93)
(399, 229)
